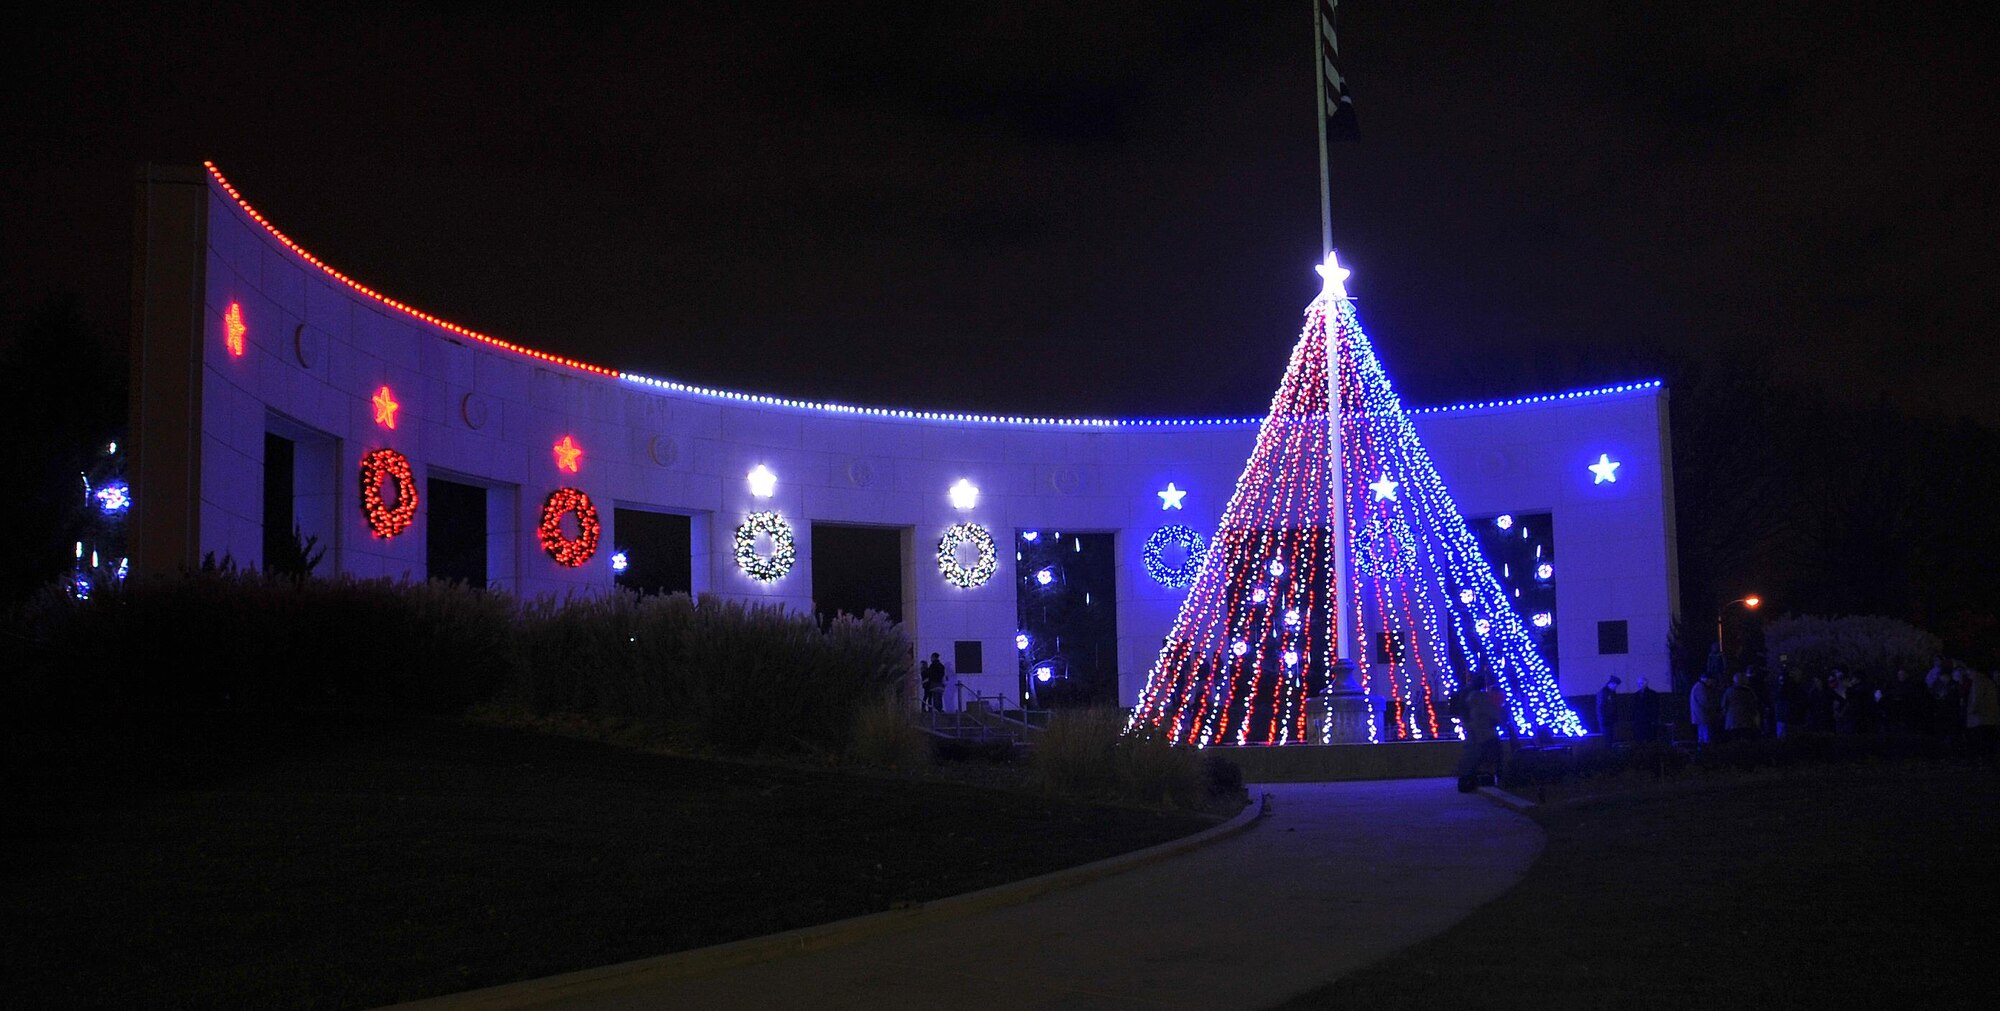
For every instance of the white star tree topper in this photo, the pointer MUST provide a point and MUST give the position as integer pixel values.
(1335, 276)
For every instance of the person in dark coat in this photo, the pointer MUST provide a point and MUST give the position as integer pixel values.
(1740, 712)
(1645, 713)
(934, 685)
(1607, 708)
(1705, 708)
(1948, 707)
(1789, 704)
(1485, 713)
(1853, 704)
(1906, 705)
(1819, 706)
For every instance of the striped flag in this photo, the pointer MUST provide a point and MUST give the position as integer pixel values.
(1340, 124)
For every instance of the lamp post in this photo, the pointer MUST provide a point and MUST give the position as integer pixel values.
(1749, 604)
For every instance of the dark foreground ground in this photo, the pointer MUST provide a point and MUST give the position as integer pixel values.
(1848, 886)
(354, 863)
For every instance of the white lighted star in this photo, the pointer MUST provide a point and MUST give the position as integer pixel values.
(964, 494)
(1171, 498)
(1336, 278)
(1605, 469)
(1385, 488)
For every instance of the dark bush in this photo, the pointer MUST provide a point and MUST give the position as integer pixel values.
(999, 751)
(1225, 778)
(1534, 767)
(763, 678)
(240, 640)
(721, 675)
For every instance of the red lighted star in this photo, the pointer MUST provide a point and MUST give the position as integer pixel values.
(385, 408)
(569, 455)
(233, 329)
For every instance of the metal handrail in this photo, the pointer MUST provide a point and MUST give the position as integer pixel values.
(967, 720)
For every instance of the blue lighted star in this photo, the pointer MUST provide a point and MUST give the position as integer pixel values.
(1171, 498)
(1605, 469)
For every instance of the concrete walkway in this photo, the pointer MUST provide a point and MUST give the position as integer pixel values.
(1339, 875)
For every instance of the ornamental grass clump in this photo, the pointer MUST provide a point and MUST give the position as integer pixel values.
(229, 638)
(884, 738)
(582, 656)
(1076, 755)
(1153, 772)
(1086, 753)
(717, 675)
(761, 678)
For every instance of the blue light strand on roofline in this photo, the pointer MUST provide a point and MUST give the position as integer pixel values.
(1650, 384)
(896, 413)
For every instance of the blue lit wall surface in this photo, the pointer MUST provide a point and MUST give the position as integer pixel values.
(318, 350)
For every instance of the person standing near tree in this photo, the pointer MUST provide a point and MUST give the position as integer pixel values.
(1789, 704)
(1819, 705)
(1948, 707)
(1906, 706)
(1645, 713)
(1982, 712)
(1740, 713)
(1705, 708)
(1607, 709)
(934, 685)
(1485, 712)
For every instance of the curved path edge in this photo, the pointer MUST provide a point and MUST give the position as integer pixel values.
(700, 961)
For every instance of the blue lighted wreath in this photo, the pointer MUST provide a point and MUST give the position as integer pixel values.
(1385, 547)
(1183, 537)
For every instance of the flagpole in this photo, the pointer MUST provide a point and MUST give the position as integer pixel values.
(1343, 570)
(1325, 190)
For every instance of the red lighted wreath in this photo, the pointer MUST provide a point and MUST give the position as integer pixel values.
(565, 550)
(385, 520)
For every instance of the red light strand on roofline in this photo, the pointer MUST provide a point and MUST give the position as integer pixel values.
(216, 174)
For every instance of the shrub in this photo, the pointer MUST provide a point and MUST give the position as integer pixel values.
(884, 738)
(1224, 777)
(762, 678)
(1086, 753)
(584, 656)
(1152, 771)
(726, 676)
(993, 752)
(1076, 754)
(229, 637)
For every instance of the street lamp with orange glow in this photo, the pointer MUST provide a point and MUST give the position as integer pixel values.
(1749, 604)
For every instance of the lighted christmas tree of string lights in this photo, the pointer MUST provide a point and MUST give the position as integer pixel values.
(1259, 630)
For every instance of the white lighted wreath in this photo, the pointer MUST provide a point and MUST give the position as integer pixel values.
(760, 567)
(980, 571)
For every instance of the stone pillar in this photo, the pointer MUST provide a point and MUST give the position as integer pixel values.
(1345, 707)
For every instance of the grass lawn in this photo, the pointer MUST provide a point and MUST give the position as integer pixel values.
(358, 862)
(1832, 886)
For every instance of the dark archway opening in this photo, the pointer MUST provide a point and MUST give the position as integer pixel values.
(657, 551)
(856, 570)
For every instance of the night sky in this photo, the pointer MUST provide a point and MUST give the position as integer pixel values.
(1070, 208)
